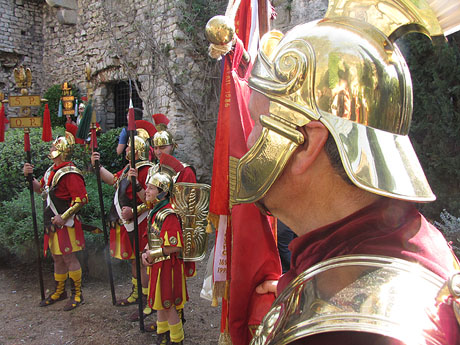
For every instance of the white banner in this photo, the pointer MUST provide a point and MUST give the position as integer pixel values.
(220, 253)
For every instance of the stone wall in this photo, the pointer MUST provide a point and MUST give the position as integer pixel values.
(21, 43)
(294, 12)
(118, 40)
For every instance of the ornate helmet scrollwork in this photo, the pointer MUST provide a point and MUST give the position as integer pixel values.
(346, 72)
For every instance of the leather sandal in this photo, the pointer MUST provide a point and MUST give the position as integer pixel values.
(48, 301)
(72, 303)
(135, 315)
(151, 328)
(125, 302)
(163, 339)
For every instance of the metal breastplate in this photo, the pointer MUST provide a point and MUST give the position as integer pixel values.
(374, 294)
(61, 205)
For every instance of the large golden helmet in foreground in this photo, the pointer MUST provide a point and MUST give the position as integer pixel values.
(346, 72)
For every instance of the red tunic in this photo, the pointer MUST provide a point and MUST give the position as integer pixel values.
(122, 241)
(167, 285)
(388, 227)
(71, 189)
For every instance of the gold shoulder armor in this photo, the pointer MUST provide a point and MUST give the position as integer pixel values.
(144, 163)
(358, 293)
(64, 171)
(154, 229)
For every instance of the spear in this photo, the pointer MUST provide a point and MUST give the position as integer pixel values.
(97, 169)
(131, 131)
(34, 214)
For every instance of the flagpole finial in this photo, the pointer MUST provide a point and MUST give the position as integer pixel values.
(220, 30)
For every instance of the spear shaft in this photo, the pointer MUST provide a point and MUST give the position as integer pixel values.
(132, 130)
(34, 213)
(97, 170)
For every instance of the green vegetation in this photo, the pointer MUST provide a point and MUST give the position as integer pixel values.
(16, 235)
(16, 231)
(53, 94)
(12, 159)
(195, 15)
(435, 71)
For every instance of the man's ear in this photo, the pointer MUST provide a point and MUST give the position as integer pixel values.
(315, 134)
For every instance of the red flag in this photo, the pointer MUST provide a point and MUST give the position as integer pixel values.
(253, 240)
(3, 121)
(251, 255)
(47, 134)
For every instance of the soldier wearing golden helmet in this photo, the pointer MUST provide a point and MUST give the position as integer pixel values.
(331, 158)
(164, 145)
(163, 142)
(167, 286)
(121, 214)
(64, 194)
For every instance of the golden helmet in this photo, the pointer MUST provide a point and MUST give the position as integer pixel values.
(163, 138)
(346, 72)
(145, 129)
(63, 146)
(140, 148)
(160, 179)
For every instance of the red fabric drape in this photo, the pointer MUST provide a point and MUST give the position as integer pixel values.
(254, 256)
(251, 252)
